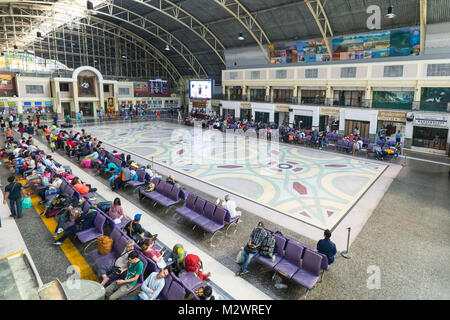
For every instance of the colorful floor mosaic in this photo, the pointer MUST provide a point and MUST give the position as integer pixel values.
(310, 185)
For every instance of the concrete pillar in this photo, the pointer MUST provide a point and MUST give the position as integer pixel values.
(329, 96)
(295, 94)
(116, 97)
(368, 97)
(267, 93)
(76, 106)
(417, 96)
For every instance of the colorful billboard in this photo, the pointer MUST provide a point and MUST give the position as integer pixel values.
(379, 44)
(141, 88)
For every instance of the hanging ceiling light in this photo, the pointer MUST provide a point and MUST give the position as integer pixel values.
(241, 37)
(167, 48)
(390, 13)
(124, 56)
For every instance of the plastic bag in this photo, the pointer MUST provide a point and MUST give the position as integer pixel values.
(26, 203)
(239, 256)
(278, 281)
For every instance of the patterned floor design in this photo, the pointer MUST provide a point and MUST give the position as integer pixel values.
(313, 186)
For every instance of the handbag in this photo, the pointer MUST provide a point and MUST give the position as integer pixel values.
(239, 257)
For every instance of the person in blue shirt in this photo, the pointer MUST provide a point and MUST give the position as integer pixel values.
(152, 286)
(398, 136)
(327, 247)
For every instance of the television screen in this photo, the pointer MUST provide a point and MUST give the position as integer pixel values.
(200, 89)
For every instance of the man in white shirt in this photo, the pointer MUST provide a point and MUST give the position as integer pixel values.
(152, 286)
(230, 205)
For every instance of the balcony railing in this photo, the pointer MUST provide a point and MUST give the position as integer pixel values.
(365, 103)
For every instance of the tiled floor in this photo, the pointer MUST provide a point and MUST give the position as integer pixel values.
(406, 239)
(309, 185)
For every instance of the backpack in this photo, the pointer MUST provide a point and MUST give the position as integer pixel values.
(268, 246)
(126, 174)
(192, 263)
(179, 254)
(104, 206)
(86, 163)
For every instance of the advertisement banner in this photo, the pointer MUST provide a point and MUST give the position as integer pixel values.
(141, 89)
(6, 81)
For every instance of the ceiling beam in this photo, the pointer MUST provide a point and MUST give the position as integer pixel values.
(322, 22)
(248, 21)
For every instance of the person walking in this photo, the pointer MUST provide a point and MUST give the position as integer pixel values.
(14, 193)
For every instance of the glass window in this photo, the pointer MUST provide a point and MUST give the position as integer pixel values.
(106, 88)
(281, 74)
(348, 72)
(233, 75)
(393, 71)
(34, 89)
(438, 70)
(64, 87)
(254, 75)
(433, 138)
(124, 91)
(311, 73)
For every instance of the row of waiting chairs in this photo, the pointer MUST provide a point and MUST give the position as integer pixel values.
(295, 261)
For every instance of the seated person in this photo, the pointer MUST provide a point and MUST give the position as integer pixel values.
(116, 213)
(51, 191)
(230, 205)
(120, 287)
(135, 231)
(122, 177)
(171, 180)
(162, 254)
(82, 188)
(206, 293)
(69, 210)
(327, 247)
(152, 286)
(112, 272)
(83, 222)
(252, 248)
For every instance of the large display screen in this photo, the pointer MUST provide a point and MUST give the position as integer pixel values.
(200, 89)
(158, 86)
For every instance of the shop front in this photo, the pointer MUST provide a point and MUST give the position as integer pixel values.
(431, 133)
(246, 110)
(87, 108)
(392, 122)
(236, 93)
(198, 108)
(215, 106)
(329, 117)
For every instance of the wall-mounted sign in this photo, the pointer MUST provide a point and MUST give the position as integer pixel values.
(245, 105)
(330, 112)
(281, 108)
(392, 116)
(430, 121)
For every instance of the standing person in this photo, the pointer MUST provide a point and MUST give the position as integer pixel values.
(398, 137)
(11, 119)
(21, 129)
(55, 120)
(38, 119)
(14, 192)
(327, 247)
(179, 115)
(252, 248)
(3, 125)
(152, 286)
(80, 116)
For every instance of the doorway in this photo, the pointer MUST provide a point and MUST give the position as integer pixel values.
(87, 108)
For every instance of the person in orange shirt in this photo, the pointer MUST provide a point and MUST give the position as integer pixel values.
(82, 188)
